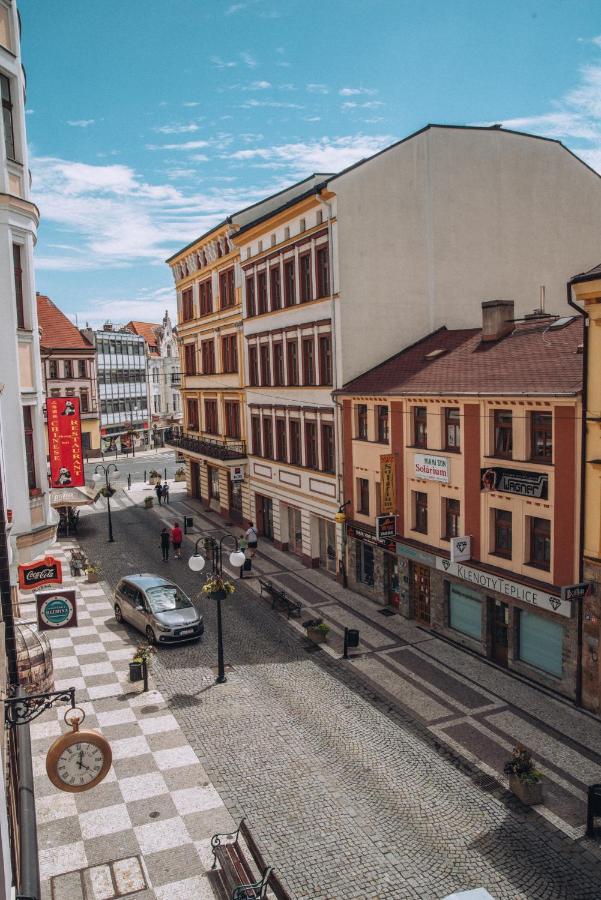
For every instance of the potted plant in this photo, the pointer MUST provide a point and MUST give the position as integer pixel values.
(218, 586)
(148, 502)
(180, 474)
(155, 477)
(142, 656)
(93, 573)
(317, 630)
(525, 781)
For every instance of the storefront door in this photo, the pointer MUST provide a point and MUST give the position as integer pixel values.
(213, 477)
(195, 479)
(327, 546)
(421, 593)
(235, 499)
(265, 516)
(295, 531)
(391, 579)
(500, 631)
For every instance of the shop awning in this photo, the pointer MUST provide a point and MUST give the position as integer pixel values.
(73, 496)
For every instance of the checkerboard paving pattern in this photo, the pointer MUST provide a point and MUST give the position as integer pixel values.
(145, 830)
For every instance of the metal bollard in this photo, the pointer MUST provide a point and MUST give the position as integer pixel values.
(145, 674)
(165, 473)
(129, 482)
(593, 808)
(144, 475)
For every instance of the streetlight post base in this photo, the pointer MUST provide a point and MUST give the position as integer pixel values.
(221, 679)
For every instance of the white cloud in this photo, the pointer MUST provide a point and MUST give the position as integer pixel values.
(314, 88)
(575, 117)
(191, 103)
(116, 219)
(222, 63)
(186, 145)
(145, 306)
(258, 86)
(275, 104)
(369, 104)
(324, 155)
(352, 92)
(248, 60)
(29, 112)
(81, 123)
(177, 129)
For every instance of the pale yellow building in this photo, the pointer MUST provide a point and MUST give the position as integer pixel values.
(586, 292)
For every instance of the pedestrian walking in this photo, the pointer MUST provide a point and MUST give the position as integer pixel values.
(158, 488)
(165, 544)
(252, 538)
(176, 539)
(165, 492)
(242, 544)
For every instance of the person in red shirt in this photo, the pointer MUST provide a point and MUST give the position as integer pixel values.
(176, 539)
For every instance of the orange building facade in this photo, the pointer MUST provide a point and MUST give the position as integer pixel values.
(470, 440)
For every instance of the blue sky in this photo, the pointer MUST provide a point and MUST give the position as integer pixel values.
(150, 121)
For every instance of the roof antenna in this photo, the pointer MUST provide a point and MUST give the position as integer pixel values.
(542, 299)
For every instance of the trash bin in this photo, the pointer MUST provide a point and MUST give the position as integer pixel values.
(188, 524)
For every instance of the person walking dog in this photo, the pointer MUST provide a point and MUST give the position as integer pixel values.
(165, 544)
(176, 539)
(158, 489)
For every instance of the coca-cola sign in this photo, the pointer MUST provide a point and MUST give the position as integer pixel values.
(43, 571)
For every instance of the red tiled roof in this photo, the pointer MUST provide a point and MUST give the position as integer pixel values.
(148, 331)
(58, 331)
(534, 359)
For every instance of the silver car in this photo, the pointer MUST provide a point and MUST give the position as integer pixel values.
(158, 608)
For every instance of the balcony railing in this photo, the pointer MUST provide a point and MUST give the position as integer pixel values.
(213, 447)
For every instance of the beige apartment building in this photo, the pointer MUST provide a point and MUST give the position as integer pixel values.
(213, 438)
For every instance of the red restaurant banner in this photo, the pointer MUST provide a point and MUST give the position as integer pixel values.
(64, 442)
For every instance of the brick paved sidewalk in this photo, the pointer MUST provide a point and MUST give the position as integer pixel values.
(477, 710)
(146, 829)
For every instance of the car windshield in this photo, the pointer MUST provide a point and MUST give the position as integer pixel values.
(166, 597)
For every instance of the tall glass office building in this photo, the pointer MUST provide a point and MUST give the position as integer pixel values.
(122, 388)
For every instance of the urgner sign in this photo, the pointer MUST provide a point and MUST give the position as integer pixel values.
(433, 468)
(511, 589)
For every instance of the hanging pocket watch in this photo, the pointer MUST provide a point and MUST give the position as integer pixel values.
(78, 760)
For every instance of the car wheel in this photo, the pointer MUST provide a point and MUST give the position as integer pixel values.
(150, 636)
(118, 613)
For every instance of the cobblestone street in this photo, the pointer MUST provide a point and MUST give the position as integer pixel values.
(349, 793)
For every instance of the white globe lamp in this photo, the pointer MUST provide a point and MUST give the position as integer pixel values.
(237, 558)
(197, 563)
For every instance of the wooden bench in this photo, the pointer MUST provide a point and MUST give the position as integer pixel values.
(279, 596)
(235, 879)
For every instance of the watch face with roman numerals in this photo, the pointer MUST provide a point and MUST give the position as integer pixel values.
(80, 763)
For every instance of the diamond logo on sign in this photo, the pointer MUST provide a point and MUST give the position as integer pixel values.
(461, 549)
(446, 563)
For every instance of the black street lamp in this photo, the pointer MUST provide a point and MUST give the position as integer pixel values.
(111, 473)
(197, 563)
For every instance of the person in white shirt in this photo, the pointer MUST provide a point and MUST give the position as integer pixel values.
(252, 538)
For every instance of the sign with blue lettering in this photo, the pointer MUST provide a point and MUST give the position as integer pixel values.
(56, 609)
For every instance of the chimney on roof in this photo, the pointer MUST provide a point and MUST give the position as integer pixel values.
(497, 319)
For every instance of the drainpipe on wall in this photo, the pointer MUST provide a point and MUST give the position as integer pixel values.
(584, 314)
(337, 406)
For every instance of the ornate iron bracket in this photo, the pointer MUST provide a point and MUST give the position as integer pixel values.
(22, 710)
